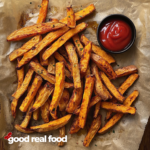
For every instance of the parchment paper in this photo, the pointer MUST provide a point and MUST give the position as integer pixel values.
(127, 134)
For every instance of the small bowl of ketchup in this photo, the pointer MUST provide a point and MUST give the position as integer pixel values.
(116, 33)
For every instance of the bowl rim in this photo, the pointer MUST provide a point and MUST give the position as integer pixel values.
(133, 32)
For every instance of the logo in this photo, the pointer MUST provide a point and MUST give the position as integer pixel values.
(8, 136)
(12, 140)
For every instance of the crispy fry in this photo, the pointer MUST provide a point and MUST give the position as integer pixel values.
(27, 118)
(43, 62)
(45, 111)
(52, 125)
(48, 39)
(62, 40)
(98, 50)
(126, 71)
(97, 109)
(64, 100)
(104, 66)
(73, 58)
(24, 130)
(99, 86)
(62, 131)
(93, 101)
(31, 94)
(74, 126)
(75, 99)
(79, 46)
(25, 48)
(118, 107)
(96, 123)
(43, 11)
(111, 87)
(129, 100)
(89, 85)
(71, 22)
(24, 85)
(63, 52)
(43, 96)
(45, 75)
(33, 30)
(81, 14)
(122, 89)
(84, 61)
(128, 82)
(20, 75)
(51, 65)
(62, 59)
(36, 114)
(61, 134)
(59, 87)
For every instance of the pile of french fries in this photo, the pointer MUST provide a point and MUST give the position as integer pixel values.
(67, 61)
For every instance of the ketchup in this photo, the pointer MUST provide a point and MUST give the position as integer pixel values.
(115, 35)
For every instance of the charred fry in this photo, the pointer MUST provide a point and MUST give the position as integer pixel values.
(71, 22)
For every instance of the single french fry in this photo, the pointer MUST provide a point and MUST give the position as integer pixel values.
(24, 130)
(25, 48)
(43, 96)
(45, 75)
(45, 111)
(81, 14)
(104, 66)
(85, 58)
(52, 125)
(99, 86)
(97, 109)
(71, 21)
(63, 39)
(74, 126)
(48, 39)
(122, 89)
(126, 71)
(62, 131)
(43, 11)
(20, 91)
(75, 99)
(97, 50)
(73, 58)
(89, 85)
(64, 100)
(33, 30)
(51, 65)
(96, 123)
(128, 101)
(31, 94)
(79, 46)
(59, 87)
(111, 87)
(43, 62)
(61, 58)
(36, 114)
(14, 103)
(28, 116)
(61, 134)
(63, 52)
(118, 108)
(93, 101)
